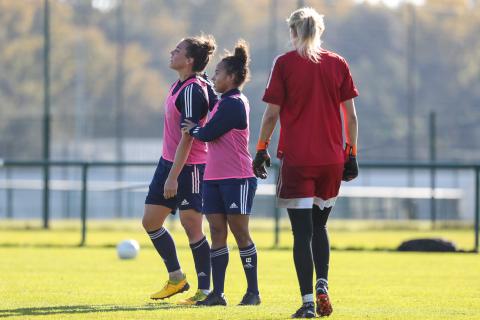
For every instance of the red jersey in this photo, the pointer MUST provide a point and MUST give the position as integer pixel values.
(309, 95)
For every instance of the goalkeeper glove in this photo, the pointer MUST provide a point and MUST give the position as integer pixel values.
(261, 161)
(350, 169)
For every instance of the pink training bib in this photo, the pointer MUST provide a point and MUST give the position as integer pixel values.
(172, 132)
(228, 156)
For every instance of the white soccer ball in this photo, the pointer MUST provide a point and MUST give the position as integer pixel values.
(128, 249)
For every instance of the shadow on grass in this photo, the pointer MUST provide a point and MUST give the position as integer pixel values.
(267, 248)
(83, 309)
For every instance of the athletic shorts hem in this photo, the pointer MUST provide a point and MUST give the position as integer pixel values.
(228, 213)
(322, 204)
(305, 203)
(156, 203)
(173, 207)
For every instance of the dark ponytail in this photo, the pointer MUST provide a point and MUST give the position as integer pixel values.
(200, 49)
(238, 62)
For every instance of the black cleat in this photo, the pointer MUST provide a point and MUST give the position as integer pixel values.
(307, 310)
(213, 299)
(250, 299)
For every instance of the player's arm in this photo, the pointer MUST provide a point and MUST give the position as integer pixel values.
(269, 121)
(347, 92)
(262, 158)
(274, 96)
(192, 105)
(352, 121)
(230, 115)
(350, 171)
(181, 155)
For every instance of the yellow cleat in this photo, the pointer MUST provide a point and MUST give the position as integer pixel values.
(199, 296)
(170, 289)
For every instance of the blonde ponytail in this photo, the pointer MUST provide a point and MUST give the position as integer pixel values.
(307, 26)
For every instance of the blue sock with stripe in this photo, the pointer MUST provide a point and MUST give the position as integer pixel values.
(201, 257)
(219, 258)
(248, 255)
(163, 242)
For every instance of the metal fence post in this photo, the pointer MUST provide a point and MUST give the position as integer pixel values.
(83, 210)
(477, 208)
(433, 158)
(9, 195)
(46, 116)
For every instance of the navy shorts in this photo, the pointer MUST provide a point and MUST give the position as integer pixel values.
(189, 193)
(229, 196)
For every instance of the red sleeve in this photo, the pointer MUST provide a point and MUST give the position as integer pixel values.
(275, 91)
(347, 88)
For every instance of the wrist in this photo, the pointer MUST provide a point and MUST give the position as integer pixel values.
(194, 130)
(262, 145)
(351, 150)
(171, 177)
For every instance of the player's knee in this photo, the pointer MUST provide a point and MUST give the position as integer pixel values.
(218, 234)
(243, 238)
(191, 225)
(150, 223)
(193, 231)
(146, 223)
(302, 233)
(217, 231)
(186, 224)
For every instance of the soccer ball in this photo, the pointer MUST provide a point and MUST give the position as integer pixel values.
(128, 249)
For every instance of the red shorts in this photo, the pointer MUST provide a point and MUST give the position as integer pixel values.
(302, 187)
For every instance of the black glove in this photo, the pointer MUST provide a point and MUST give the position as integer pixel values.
(350, 169)
(261, 161)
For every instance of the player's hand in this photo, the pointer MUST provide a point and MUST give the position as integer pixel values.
(261, 161)
(170, 188)
(350, 169)
(187, 126)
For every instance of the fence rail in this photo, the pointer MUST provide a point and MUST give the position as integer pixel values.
(412, 193)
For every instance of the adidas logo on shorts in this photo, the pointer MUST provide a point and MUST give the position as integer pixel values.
(233, 206)
(185, 202)
(202, 274)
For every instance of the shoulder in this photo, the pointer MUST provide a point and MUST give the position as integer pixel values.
(232, 101)
(193, 90)
(195, 86)
(234, 104)
(284, 58)
(333, 57)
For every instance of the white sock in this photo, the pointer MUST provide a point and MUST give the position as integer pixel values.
(176, 275)
(307, 298)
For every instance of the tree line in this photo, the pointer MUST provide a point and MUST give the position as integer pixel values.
(106, 61)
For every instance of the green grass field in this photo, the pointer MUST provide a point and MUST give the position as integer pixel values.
(44, 275)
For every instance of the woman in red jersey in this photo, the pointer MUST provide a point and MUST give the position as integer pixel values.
(307, 88)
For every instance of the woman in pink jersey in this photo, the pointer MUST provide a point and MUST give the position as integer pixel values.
(229, 182)
(305, 91)
(177, 182)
